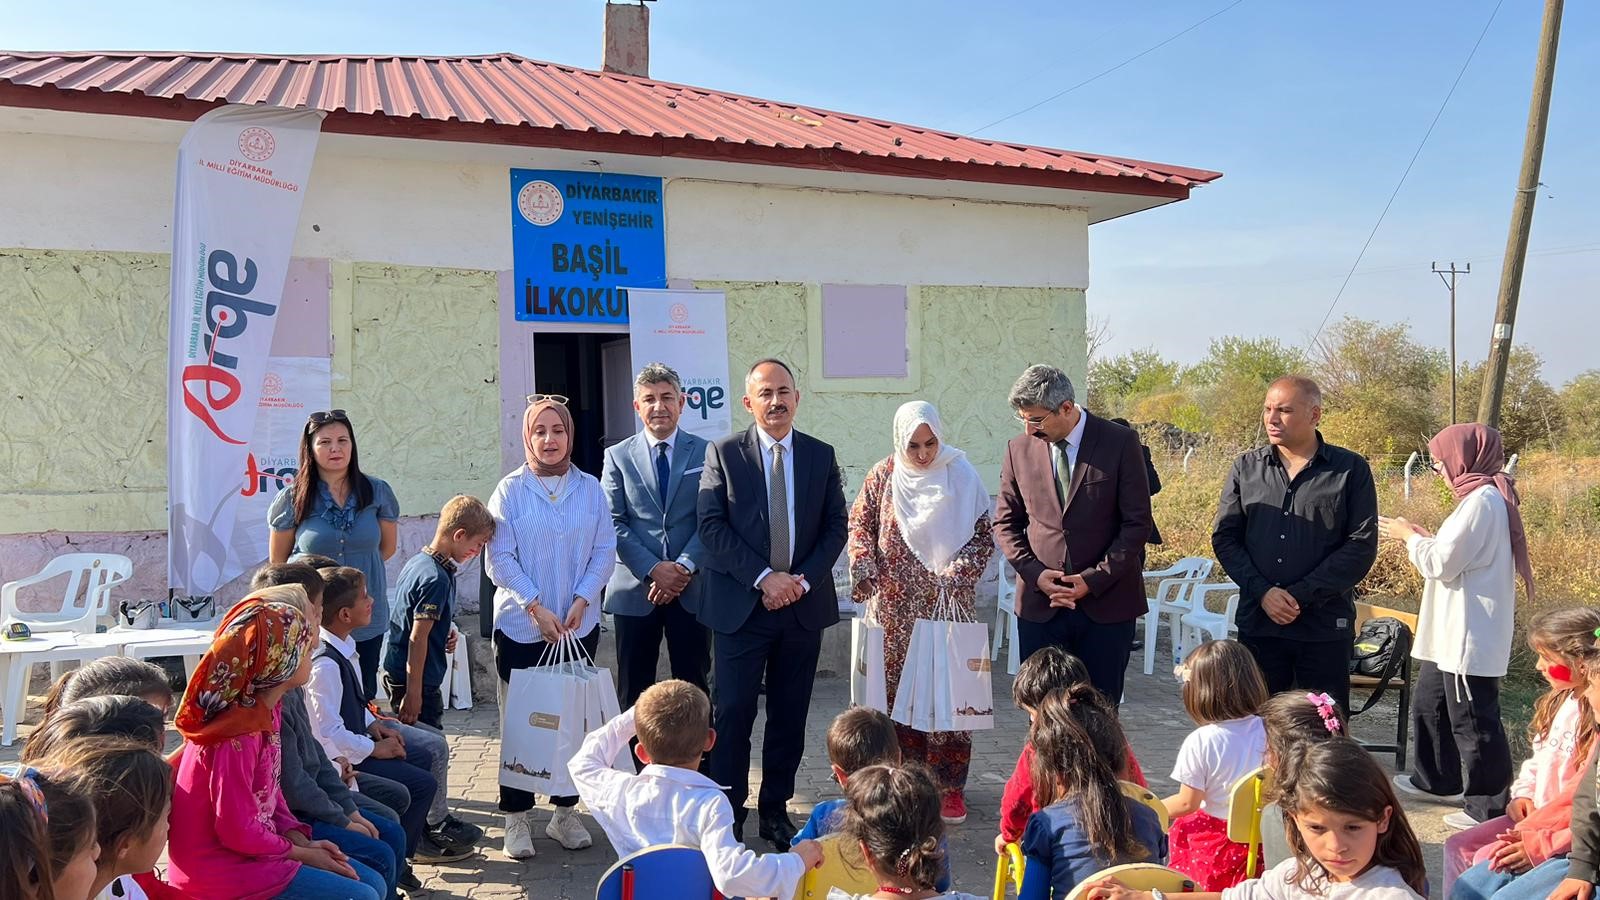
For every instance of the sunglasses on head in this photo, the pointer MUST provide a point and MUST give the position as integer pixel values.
(318, 419)
(553, 398)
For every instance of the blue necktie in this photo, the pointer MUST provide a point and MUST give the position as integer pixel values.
(661, 470)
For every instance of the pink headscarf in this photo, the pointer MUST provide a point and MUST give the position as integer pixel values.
(1473, 456)
(528, 417)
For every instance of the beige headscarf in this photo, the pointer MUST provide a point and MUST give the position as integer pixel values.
(534, 465)
(937, 508)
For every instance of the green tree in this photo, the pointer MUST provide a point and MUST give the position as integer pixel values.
(1580, 404)
(1116, 383)
(1229, 384)
(1378, 387)
(1531, 415)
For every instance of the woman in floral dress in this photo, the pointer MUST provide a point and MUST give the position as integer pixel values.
(921, 524)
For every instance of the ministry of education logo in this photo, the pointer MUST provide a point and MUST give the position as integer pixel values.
(540, 203)
(257, 143)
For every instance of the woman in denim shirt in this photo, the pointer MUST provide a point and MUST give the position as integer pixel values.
(334, 510)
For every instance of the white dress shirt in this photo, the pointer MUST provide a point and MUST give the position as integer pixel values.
(670, 440)
(767, 443)
(548, 550)
(669, 805)
(1074, 441)
(323, 697)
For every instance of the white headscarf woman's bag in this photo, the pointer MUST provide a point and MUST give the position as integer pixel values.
(938, 507)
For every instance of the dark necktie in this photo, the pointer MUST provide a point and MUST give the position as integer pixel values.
(778, 513)
(1063, 472)
(661, 471)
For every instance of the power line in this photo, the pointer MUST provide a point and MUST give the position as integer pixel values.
(1096, 77)
(1403, 175)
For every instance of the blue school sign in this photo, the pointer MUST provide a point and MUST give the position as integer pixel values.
(579, 240)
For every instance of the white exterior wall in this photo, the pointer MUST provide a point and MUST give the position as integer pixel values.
(75, 192)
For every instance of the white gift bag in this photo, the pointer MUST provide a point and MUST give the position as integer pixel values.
(867, 685)
(968, 700)
(541, 726)
(913, 699)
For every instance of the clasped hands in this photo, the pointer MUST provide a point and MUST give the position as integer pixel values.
(1063, 590)
(552, 629)
(667, 581)
(779, 589)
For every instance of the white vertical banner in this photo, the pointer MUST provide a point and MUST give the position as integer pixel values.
(687, 330)
(242, 174)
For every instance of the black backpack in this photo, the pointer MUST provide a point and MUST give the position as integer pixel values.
(1382, 649)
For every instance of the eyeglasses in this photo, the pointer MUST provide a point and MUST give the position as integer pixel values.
(318, 419)
(1032, 421)
(553, 398)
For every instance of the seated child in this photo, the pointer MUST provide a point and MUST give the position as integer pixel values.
(346, 728)
(1222, 692)
(1084, 823)
(1349, 836)
(669, 802)
(48, 821)
(112, 676)
(893, 816)
(1048, 669)
(312, 785)
(131, 788)
(859, 737)
(420, 637)
(232, 833)
(1293, 721)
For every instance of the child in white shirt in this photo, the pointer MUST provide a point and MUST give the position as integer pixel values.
(1222, 692)
(672, 803)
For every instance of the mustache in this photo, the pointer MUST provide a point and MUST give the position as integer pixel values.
(780, 408)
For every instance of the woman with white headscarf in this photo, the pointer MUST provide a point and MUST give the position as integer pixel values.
(921, 525)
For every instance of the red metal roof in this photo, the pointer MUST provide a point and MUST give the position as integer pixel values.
(570, 106)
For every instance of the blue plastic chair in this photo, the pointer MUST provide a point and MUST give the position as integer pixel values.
(665, 870)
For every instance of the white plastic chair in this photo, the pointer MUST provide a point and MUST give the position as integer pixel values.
(87, 597)
(1005, 617)
(1204, 621)
(1173, 598)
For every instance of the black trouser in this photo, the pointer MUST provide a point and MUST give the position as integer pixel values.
(639, 646)
(432, 713)
(510, 655)
(1458, 728)
(1321, 667)
(1104, 648)
(775, 644)
(368, 653)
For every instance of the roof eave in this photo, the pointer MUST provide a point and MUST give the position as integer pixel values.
(138, 105)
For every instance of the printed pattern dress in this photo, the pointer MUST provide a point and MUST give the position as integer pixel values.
(885, 572)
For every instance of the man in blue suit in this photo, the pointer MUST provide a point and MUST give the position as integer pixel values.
(773, 521)
(652, 484)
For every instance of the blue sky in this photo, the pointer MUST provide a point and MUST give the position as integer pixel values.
(1310, 109)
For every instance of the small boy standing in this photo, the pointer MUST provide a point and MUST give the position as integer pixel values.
(420, 634)
(859, 737)
(669, 802)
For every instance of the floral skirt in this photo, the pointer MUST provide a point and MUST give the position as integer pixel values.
(1198, 846)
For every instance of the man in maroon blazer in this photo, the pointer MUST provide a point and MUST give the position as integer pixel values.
(1074, 514)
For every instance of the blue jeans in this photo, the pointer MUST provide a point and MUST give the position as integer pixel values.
(1535, 884)
(413, 773)
(377, 854)
(315, 884)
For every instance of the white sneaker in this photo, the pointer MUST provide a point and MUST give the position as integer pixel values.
(1407, 786)
(1460, 821)
(519, 836)
(567, 829)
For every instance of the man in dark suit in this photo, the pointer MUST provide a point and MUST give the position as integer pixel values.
(773, 522)
(1073, 517)
(652, 484)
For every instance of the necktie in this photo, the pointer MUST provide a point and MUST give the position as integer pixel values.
(661, 471)
(778, 513)
(1063, 472)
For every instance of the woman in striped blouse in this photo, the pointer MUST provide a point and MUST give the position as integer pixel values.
(553, 550)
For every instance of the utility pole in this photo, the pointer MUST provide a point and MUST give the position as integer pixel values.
(1505, 314)
(1451, 284)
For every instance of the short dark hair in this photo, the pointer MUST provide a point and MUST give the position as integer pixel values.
(315, 560)
(1049, 669)
(768, 361)
(303, 574)
(1223, 682)
(96, 718)
(673, 718)
(861, 737)
(343, 588)
(109, 676)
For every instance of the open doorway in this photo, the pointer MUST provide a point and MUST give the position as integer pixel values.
(594, 370)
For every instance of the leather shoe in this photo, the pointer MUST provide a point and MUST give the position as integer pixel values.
(778, 830)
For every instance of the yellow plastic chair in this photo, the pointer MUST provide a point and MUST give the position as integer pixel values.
(1148, 798)
(1244, 815)
(1138, 877)
(842, 867)
(1008, 869)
